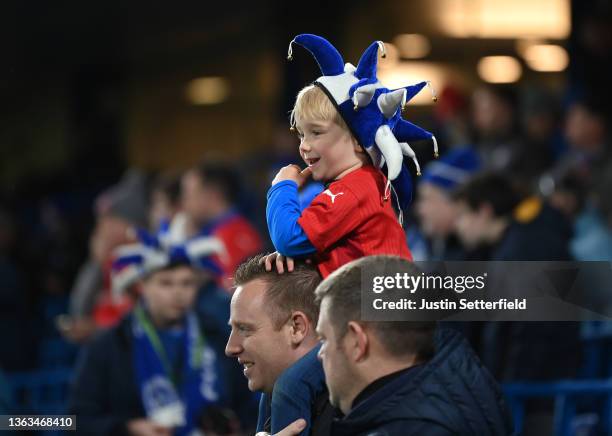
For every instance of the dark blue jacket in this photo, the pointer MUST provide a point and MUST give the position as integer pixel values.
(453, 394)
(105, 394)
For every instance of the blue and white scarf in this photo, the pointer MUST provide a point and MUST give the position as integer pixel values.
(165, 402)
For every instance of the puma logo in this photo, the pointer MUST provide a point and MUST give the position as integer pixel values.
(332, 196)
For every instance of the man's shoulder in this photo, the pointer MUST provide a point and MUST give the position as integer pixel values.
(450, 391)
(305, 372)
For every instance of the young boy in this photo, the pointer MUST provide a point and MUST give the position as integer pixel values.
(343, 129)
(349, 125)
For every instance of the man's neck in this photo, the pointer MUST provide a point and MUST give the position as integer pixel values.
(376, 370)
(305, 347)
(384, 368)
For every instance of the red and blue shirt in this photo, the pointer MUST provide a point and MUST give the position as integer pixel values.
(350, 219)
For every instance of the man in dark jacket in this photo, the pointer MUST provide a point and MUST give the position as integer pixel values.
(400, 378)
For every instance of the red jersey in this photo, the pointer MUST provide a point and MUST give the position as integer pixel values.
(240, 240)
(351, 219)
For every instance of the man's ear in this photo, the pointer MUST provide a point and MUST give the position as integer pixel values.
(357, 341)
(300, 327)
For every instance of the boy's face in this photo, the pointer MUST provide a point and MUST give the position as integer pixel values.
(170, 293)
(328, 149)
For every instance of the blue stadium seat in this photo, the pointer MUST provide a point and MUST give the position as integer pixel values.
(566, 394)
(597, 346)
(40, 392)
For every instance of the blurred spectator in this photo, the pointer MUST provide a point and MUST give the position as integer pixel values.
(117, 211)
(158, 371)
(165, 201)
(495, 125)
(435, 207)
(581, 181)
(498, 136)
(492, 213)
(540, 121)
(593, 227)
(586, 130)
(209, 194)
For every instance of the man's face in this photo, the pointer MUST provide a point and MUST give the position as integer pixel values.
(471, 225)
(437, 213)
(195, 197)
(339, 376)
(170, 293)
(327, 148)
(263, 350)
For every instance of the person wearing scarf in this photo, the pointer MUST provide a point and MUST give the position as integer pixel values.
(156, 373)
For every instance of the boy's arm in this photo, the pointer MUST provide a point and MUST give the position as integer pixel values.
(282, 214)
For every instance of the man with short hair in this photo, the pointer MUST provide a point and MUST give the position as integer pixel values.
(400, 378)
(494, 213)
(209, 196)
(273, 336)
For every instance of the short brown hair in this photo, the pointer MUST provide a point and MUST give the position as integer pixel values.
(285, 292)
(343, 288)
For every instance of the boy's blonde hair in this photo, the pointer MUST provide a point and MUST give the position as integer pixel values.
(313, 104)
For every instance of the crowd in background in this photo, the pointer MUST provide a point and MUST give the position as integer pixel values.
(521, 177)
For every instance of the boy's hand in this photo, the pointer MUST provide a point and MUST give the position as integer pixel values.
(279, 261)
(293, 172)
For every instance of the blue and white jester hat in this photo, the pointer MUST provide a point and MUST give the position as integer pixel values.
(154, 252)
(371, 111)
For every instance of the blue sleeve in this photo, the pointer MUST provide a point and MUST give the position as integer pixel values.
(282, 214)
(309, 192)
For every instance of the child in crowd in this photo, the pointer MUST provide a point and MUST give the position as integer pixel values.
(349, 125)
